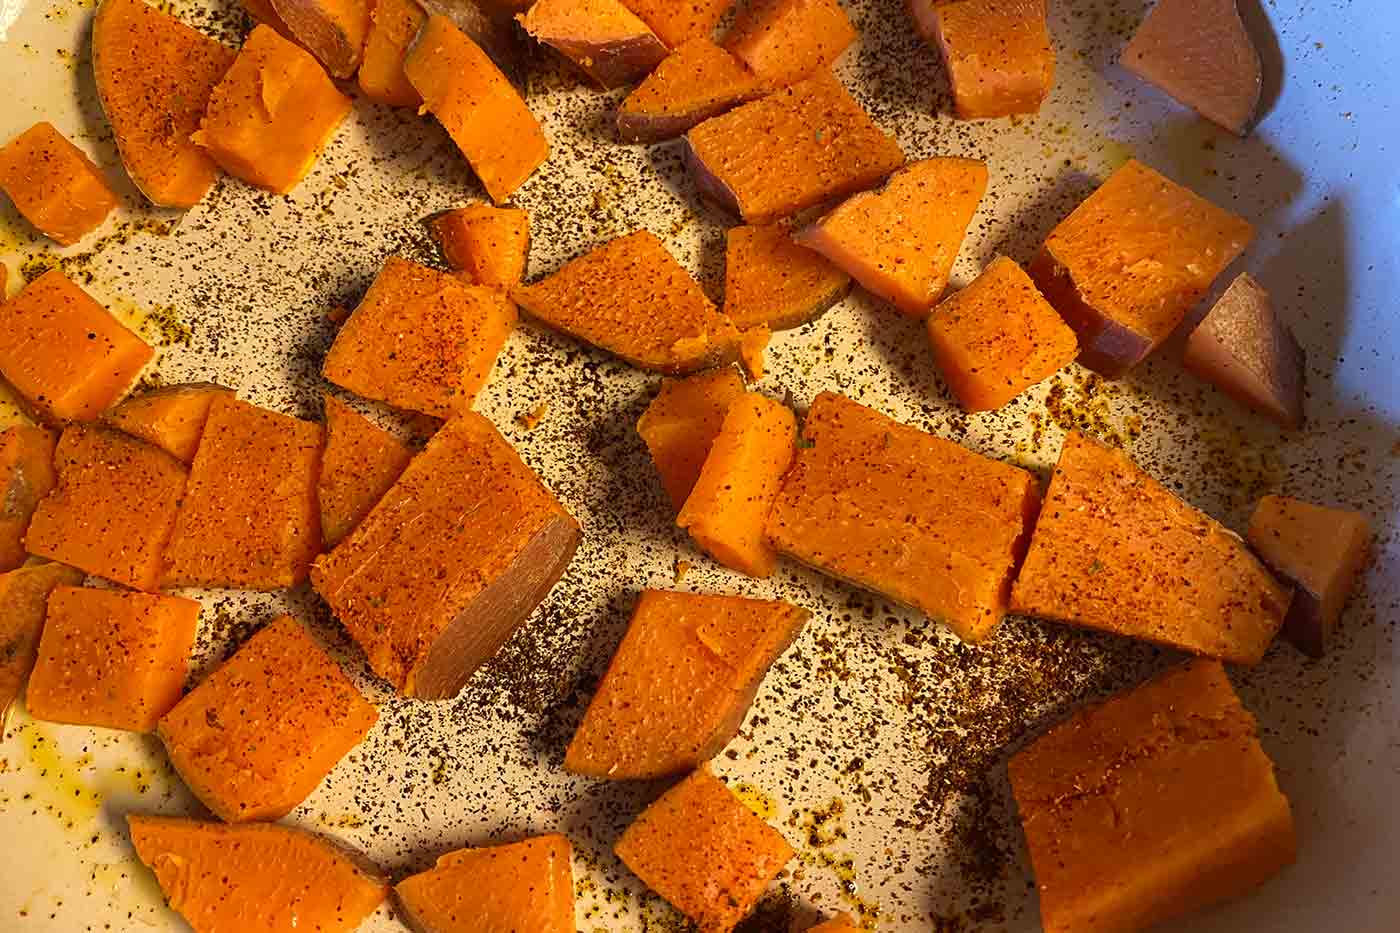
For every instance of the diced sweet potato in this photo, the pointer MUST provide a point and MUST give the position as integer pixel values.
(489, 244)
(726, 511)
(24, 601)
(997, 337)
(901, 241)
(1321, 552)
(421, 340)
(360, 463)
(1150, 806)
(63, 352)
(841, 923)
(526, 886)
(249, 519)
(770, 281)
(113, 509)
(681, 424)
(679, 21)
(753, 343)
(452, 560)
(262, 11)
(786, 40)
(332, 30)
(54, 184)
(110, 658)
(697, 81)
(26, 477)
(630, 297)
(1125, 267)
(1115, 550)
(393, 24)
(477, 105)
(259, 878)
(602, 37)
(1248, 351)
(681, 683)
(488, 23)
(796, 148)
(997, 53)
(256, 737)
(171, 417)
(706, 853)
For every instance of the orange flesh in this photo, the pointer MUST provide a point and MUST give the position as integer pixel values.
(786, 40)
(681, 423)
(249, 518)
(631, 298)
(726, 510)
(753, 343)
(26, 477)
(113, 509)
(360, 463)
(1151, 805)
(421, 340)
(1116, 551)
(697, 81)
(525, 886)
(772, 282)
(171, 417)
(906, 514)
(681, 683)
(24, 600)
(901, 241)
(841, 923)
(332, 30)
(997, 337)
(393, 24)
(257, 736)
(602, 37)
(54, 184)
(998, 53)
(63, 352)
(679, 21)
(112, 659)
(489, 244)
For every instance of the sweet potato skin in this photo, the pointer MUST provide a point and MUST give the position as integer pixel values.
(24, 602)
(681, 424)
(772, 282)
(603, 38)
(333, 30)
(26, 477)
(54, 184)
(361, 461)
(784, 41)
(997, 53)
(393, 24)
(697, 81)
(170, 417)
(526, 885)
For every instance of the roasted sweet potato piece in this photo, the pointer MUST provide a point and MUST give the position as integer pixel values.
(1248, 351)
(63, 352)
(24, 601)
(1154, 804)
(681, 424)
(697, 81)
(489, 244)
(26, 477)
(361, 461)
(113, 509)
(258, 878)
(1115, 550)
(630, 297)
(706, 853)
(256, 737)
(753, 344)
(679, 21)
(526, 886)
(54, 184)
(1321, 552)
(452, 560)
(249, 519)
(490, 24)
(681, 683)
(333, 30)
(772, 282)
(393, 25)
(841, 923)
(786, 40)
(263, 11)
(171, 417)
(796, 148)
(1125, 267)
(997, 53)
(602, 37)
(997, 337)
(421, 340)
(901, 241)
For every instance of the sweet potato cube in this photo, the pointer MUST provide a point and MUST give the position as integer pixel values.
(258, 878)
(526, 886)
(489, 244)
(272, 114)
(333, 30)
(676, 22)
(630, 297)
(256, 737)
(361, 461)
(753, 344)
(249, 519)
(113, 508)
(54, 184)
(1154, 804)
(706, 853)
(841, 923)
(997, 53)
(26, 477)
(1125, 267)
(1115, 550)
(726, 511)
(1321, 552)
(262, 11)
(901, 241)
(681, 424)
(393, 26)
(783, 41)
(171, 417)
(906, 514)
(697, 81)
(602, 37)
(681, 683)
(110, 658)
(772, 282)
(451, 561)
(421, 340)
(24, 601)
(63, 353)
(998, 337)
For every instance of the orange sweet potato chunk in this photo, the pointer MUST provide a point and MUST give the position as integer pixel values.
(998, 53)
(171, 417)
(681, 424)
(257, 878)
(113, 509)
(526, 886)
(770, 281)
(262, 11)
(249, 518)
(26, 477)
(753, 344)
(841, 923)
(452, 560)
(998, 337)
(393, 26)
(697, 81)
(630, 297)
(256, 737)
(783, 41)
(24, 601)
(63, 353)
(1152, 805)
(490, 245)
(906, 514)
(796, 148)
(360, 463)
(1115, 550)
(901, 241)
(110, 658)
(706, 853)
(681, 683)
(602, 37)
(333, 30)
(679, 21)
(1125, 267)
(54, 184)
